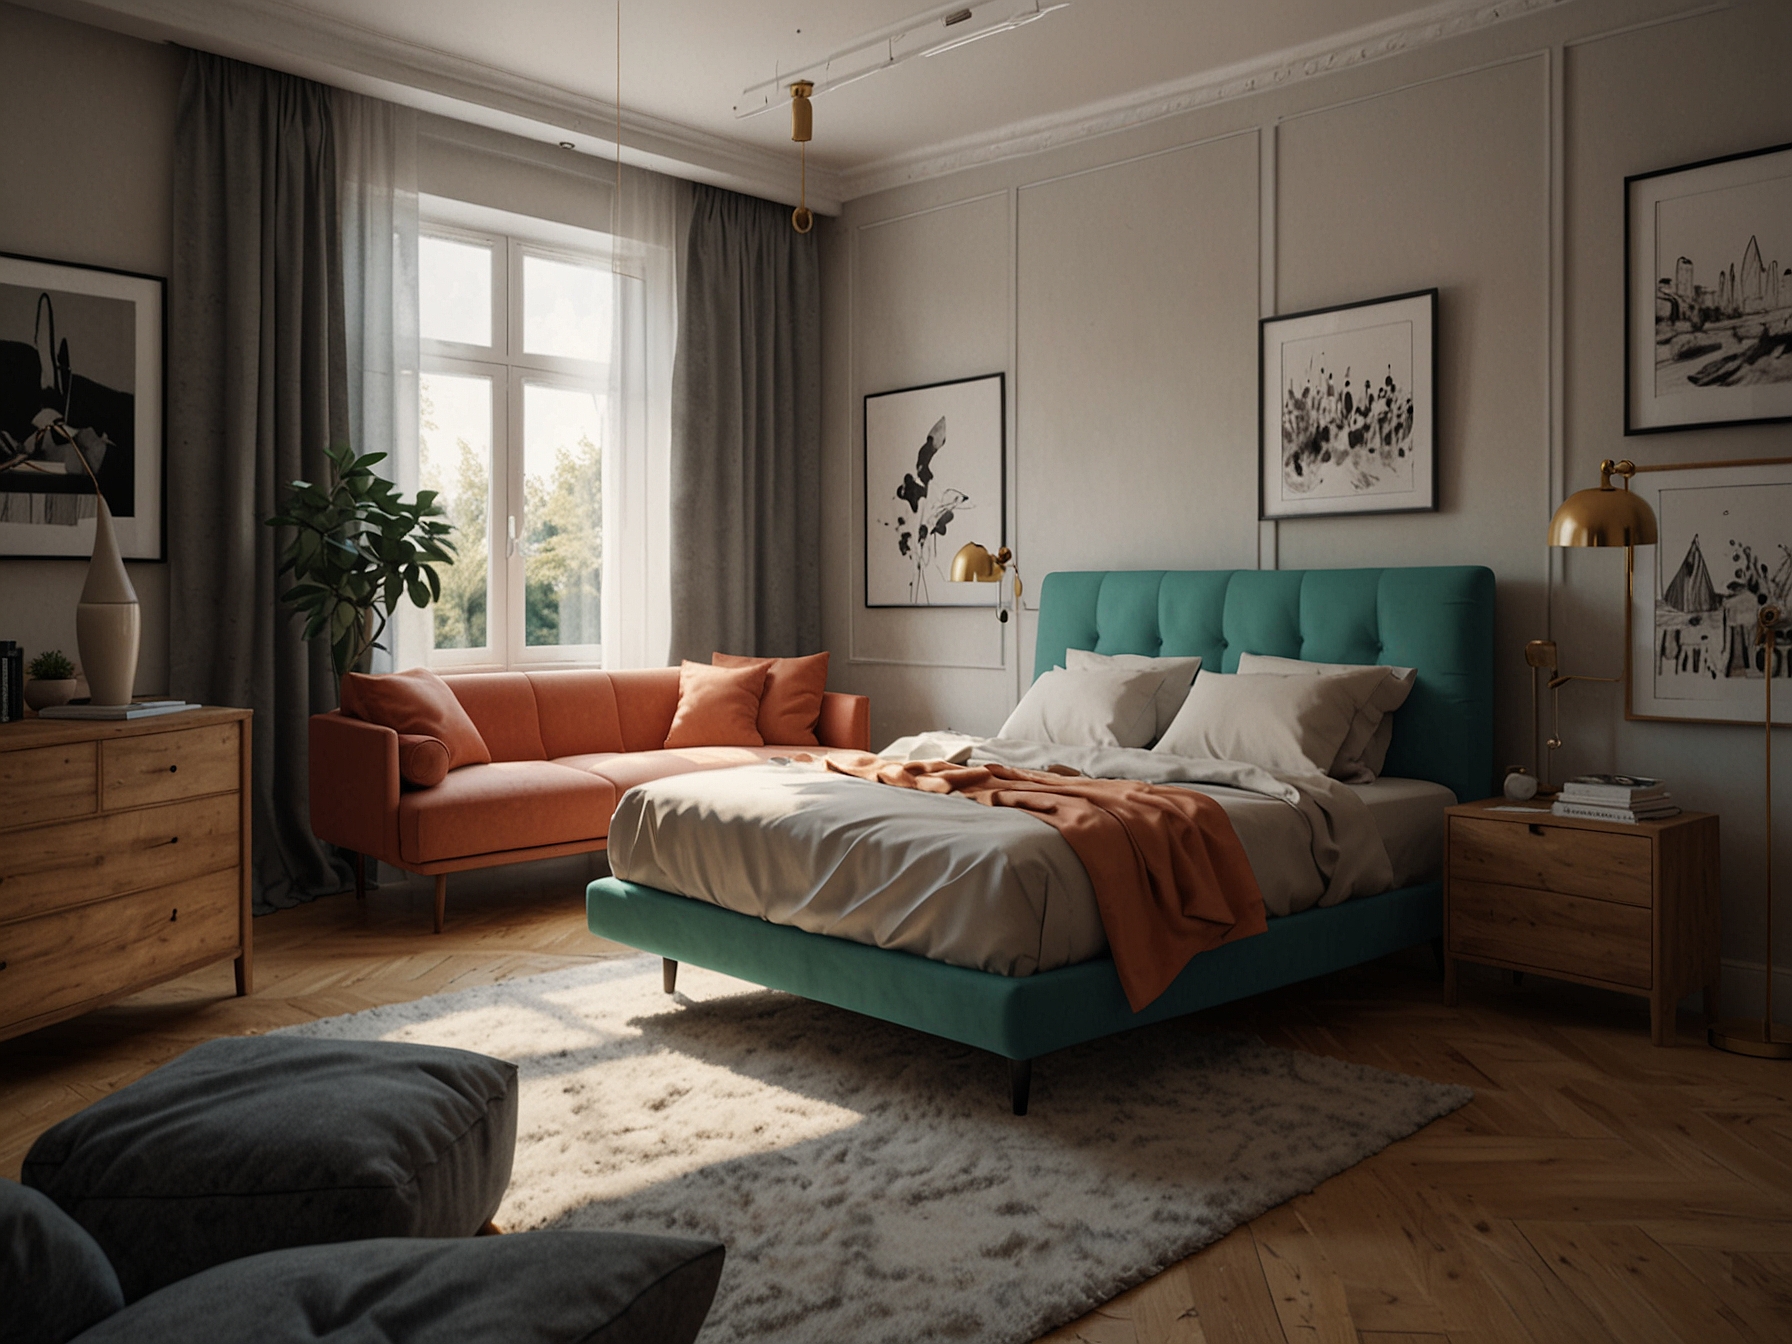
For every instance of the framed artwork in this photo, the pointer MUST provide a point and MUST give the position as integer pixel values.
(1708, 293)
(935, 478)
(80, 408)
(1348, 409)
(1725, 551)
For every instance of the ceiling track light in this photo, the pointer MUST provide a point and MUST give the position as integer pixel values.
(931, 33)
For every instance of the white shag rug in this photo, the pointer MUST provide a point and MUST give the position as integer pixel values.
(869, 1181)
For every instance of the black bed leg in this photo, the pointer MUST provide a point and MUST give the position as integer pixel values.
(668, 975)
(1020, 1081)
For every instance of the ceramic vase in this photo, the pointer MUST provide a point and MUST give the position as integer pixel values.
(108, 622)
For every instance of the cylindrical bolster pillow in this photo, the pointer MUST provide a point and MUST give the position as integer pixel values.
(422, 760)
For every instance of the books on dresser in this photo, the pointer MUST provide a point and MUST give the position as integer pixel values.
(1623, 798)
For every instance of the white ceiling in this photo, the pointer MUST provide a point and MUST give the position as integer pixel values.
(548, 67)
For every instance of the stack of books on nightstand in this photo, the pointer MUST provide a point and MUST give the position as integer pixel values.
(1628, 798)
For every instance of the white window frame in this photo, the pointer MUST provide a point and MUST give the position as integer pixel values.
(505, 365)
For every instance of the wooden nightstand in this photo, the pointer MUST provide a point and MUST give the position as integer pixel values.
(1630, 908)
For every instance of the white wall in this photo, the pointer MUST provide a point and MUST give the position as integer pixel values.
(86, 154)
(1118, 282)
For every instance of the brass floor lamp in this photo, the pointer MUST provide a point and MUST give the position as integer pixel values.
(1765, 1039)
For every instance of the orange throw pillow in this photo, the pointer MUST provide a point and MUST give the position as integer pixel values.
(418, 703)
(422, 760)
(717, 706)
(791, 705)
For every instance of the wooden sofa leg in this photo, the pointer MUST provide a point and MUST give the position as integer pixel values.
(668, 975)
(1020, 1082)
(441, 898)
(360, 877)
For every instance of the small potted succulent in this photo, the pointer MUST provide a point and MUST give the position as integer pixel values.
(52, 680)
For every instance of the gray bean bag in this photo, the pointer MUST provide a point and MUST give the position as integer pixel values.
(254, 1144)
(532, 1288)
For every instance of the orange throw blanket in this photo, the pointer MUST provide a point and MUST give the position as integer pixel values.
(1170, 876)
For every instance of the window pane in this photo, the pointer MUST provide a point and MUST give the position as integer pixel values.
(455, 459)
(566, 309)
(564, 511)
(454, 291)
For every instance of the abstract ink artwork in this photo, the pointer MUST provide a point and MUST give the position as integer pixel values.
(1725, 552)
(80, 408)
(1349, 409)
(1708, 293)
(934, 479)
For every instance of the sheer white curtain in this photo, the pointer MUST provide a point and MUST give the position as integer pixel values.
(650, 217)
(376, 154)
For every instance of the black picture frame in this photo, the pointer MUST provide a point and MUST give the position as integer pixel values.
(105, 351)
(906, 487)
(1298, 475)
(1712, 377)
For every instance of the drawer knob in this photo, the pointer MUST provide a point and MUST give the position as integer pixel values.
(172, 769)
(1535, 829)
(174, 914)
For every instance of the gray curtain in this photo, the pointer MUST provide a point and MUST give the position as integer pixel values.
(257, 389)
(746, 434)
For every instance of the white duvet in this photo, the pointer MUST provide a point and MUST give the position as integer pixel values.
(991, 888)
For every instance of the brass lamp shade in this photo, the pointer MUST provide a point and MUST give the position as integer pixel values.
(974, 564)
(1605, 515)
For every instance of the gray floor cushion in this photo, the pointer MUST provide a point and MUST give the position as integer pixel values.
(254, 1144)
(527, 1288)
(55, 1281)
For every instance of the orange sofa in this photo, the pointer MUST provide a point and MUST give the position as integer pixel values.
(564, 745)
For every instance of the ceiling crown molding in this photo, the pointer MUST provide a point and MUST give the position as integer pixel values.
(1372, 42)
(287, 37)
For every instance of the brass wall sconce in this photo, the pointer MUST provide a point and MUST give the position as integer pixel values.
(974, 564)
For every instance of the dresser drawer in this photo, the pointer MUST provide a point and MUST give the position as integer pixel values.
(47, 784)
(160, 767)
(53, 867)
(1553, 858)
(57, 961)
(1547, 931)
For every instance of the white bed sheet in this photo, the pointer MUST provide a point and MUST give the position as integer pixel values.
(1409, 814)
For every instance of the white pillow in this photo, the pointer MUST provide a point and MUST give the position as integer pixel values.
(1178, 674)
(1291, 725)
(1365, 750)
(1107, 708)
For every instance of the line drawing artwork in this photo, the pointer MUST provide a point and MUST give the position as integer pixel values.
(1723, 288)
(1347, 413)
(920, 519)
(933, 477)
(1731, 551)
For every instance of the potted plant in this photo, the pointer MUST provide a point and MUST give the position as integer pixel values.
(52, 680)
(358, 547)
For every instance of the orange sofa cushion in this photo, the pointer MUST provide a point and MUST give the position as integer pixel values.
(418, 703)
(506, 805)
(718, 706)
(577, 709)
(502, 705)
(625, 769)
(646, 700)
(791, 705)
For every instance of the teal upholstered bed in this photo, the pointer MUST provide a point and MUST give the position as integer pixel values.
(1438, 620)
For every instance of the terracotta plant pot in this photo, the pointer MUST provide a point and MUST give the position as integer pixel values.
(41, 694)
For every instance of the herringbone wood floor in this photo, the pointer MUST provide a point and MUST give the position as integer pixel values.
(1596, 1188)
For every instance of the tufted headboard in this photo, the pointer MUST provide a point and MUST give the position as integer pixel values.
(1436, 619)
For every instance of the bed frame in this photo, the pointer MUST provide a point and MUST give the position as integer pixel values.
(1438, 620)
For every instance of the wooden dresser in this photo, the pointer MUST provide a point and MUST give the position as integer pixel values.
(1627, 907)
(124, 858)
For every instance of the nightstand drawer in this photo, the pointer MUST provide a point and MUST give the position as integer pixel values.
(47, 784)
(162, 767)
(1599, 864)
(1551, 932)
(56, 961)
